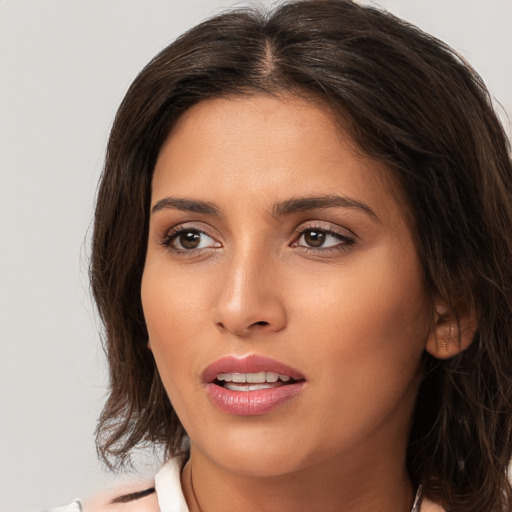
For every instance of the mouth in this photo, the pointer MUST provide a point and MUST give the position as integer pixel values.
(250, 370)
(251, 385)
(252, 381)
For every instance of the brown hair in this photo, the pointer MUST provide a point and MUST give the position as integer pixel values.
(411, 103)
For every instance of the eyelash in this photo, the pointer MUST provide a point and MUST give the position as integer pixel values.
(176, 232)
(345, 240)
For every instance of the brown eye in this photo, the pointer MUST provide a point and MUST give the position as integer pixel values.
(314, 238)
(190, 240)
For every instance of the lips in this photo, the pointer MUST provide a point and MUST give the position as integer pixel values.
(251, 385)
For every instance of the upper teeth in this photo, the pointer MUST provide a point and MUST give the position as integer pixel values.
(252, 377)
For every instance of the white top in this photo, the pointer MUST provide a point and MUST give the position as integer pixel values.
(168, 488)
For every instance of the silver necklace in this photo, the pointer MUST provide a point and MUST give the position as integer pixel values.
(417, 501)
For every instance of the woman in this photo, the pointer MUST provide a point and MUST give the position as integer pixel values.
(301, 256)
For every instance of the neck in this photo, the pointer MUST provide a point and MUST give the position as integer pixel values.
(334, 484)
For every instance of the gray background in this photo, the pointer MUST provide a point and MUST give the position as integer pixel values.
(64, 67)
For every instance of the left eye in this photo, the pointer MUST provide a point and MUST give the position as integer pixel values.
(190, 239)
(321, 238)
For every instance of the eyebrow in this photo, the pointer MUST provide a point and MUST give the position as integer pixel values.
(292, 205)
(186, 205)
(298, 204)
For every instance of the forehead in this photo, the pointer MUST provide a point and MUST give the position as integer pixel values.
(263, 147)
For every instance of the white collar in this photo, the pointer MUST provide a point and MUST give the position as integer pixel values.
(168, 487)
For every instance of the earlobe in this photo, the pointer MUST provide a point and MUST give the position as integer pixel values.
(451, 333)
(149, 345)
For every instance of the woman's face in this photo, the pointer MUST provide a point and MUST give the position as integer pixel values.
(278, 255)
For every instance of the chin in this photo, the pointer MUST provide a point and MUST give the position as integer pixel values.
(262, 454)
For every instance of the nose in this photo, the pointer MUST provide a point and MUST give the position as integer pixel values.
(250, 300)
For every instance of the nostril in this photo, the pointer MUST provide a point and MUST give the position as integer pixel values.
(261, 322)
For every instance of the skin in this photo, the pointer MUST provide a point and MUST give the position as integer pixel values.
(351, 315)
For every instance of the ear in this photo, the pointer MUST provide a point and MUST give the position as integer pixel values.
(149, 345)
(452, 332)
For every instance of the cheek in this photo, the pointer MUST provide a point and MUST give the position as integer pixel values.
(174, 302)
(171, 316)
(370, 320)
(381, 293)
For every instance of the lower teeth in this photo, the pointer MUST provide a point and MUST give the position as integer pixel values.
(233, 386)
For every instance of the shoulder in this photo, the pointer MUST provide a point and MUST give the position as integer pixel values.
(140, 497)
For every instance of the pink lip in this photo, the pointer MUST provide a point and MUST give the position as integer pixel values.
(256, 402)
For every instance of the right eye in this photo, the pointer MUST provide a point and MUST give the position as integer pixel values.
(189, 239)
